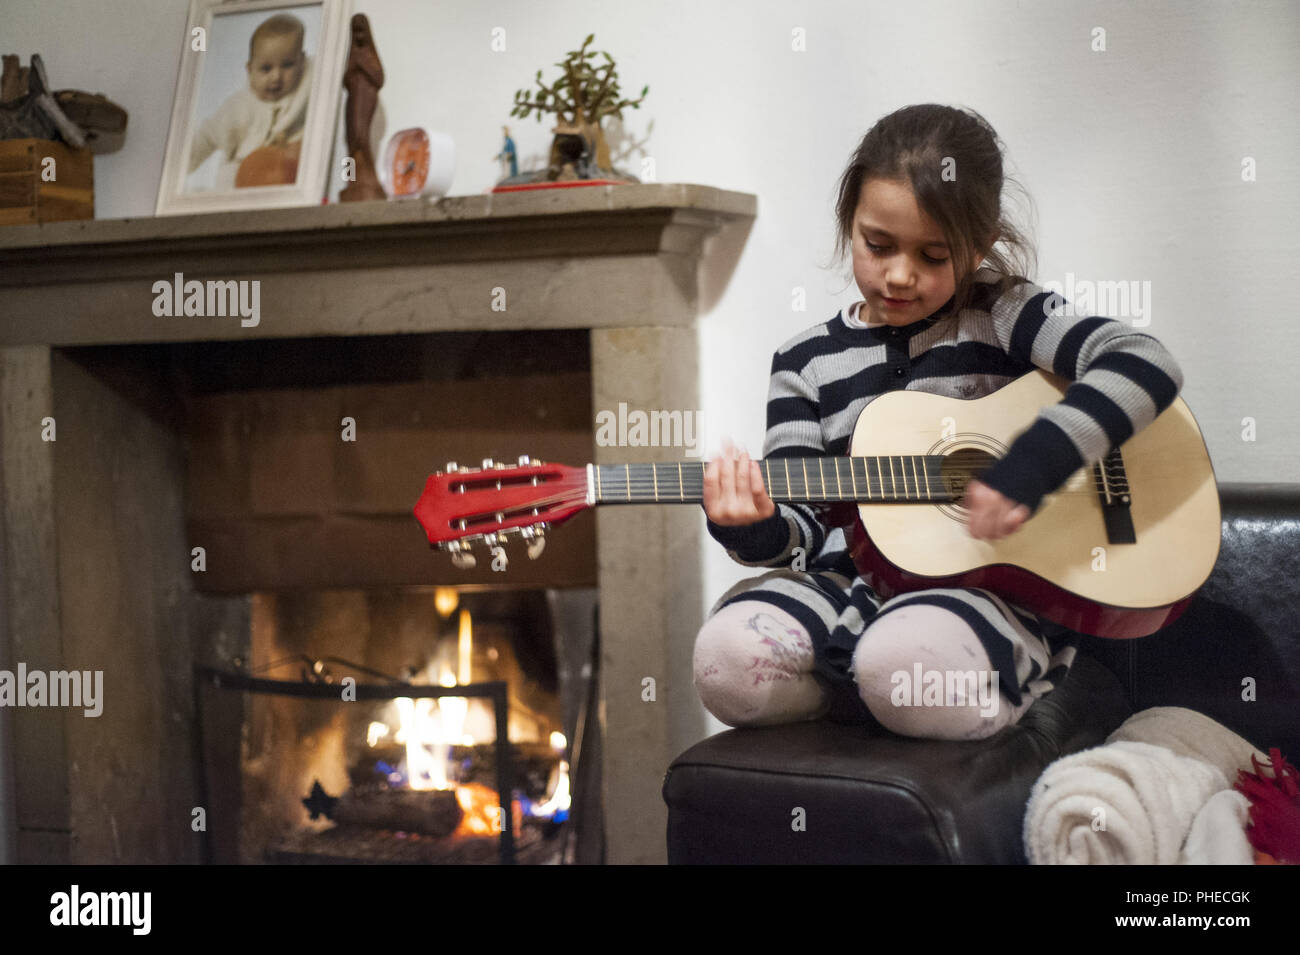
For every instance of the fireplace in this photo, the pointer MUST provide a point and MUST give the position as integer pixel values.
(199, 462)
(301, 461)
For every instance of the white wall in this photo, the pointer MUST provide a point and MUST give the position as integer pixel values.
(1132, 156)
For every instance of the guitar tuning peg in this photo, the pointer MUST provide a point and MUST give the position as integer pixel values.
(536, 538)
(461, 557)
(487, 464)
(452, 467)
(524, 459)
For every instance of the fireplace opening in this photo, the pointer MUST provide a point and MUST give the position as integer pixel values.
(364, 728)
(262, 497)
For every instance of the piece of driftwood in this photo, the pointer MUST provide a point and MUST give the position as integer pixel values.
(362, 78)
(29, 109)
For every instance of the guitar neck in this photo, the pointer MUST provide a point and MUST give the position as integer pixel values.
(899, 477)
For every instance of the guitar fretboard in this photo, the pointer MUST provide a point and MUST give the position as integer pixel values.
(900, 477)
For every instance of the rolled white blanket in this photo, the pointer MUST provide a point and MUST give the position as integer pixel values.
(1133, 799)
(1189, 733)
(1218, 833)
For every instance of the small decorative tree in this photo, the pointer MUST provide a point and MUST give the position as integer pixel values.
(580, 99)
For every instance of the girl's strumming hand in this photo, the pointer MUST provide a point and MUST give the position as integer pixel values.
(992, 515)
(733, 489)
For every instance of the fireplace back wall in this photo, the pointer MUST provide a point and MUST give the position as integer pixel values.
(240, 449)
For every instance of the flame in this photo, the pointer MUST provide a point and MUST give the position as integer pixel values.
(426, 749)
(465, 646)
(445, 600)
(560, 799)
(483, 811)
(429, 727)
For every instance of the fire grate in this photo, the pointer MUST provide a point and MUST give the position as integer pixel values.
(333, 845)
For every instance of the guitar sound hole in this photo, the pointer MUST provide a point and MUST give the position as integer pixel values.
(962, 465)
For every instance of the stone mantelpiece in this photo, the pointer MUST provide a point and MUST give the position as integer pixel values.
(623, 262)
(598, 257)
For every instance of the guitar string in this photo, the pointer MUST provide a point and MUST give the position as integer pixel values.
(650, 485)
(643, 487)
(644, 491)
(578, 497)
(618, 483)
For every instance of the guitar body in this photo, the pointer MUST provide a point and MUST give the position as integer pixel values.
(1061, 564)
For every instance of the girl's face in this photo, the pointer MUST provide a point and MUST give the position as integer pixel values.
(901, 259)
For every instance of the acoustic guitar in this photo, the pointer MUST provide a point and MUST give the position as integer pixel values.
(1118, 551)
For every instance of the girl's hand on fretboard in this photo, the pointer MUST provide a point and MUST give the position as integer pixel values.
(733, 489)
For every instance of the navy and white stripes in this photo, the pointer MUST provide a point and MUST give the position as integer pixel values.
(822, 378)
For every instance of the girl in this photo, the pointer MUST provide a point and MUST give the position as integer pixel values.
(943, 312)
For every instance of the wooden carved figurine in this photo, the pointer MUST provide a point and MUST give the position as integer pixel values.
(362, 78)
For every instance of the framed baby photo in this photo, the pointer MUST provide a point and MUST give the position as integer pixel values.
(256, 105)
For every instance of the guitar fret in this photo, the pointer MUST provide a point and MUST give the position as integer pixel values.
(914, 477)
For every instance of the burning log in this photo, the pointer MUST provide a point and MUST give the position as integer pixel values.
(434, 812)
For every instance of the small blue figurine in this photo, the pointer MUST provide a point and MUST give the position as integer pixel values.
(508, 152)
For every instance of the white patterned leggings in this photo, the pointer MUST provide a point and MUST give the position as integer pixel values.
(953, 664)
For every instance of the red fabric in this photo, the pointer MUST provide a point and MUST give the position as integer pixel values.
(1274, 829)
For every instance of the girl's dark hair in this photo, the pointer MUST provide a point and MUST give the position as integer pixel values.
(917, 145)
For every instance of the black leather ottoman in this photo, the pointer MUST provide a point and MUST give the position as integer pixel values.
(870, 796)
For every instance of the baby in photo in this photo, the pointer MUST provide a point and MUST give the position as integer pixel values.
(258, 130)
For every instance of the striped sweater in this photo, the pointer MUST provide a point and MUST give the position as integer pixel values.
(823, 378)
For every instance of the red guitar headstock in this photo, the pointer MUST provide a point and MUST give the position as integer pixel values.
(462, 505)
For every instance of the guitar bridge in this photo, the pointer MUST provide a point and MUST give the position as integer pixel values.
(1113, 493)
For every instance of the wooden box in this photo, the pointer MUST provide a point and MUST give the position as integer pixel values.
(27, 194)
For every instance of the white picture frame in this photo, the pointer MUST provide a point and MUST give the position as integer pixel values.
(233, 92)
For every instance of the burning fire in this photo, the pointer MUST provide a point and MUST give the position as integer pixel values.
(483, 811)
(428, 728)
